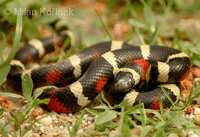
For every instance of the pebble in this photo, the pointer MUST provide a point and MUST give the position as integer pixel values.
(54, 117)
(47, 120)
(70, 115)
(172, 135)
(64, 134)
(91, 127)
(197, 100)
(42, 128)
(80, 130)
(45, 135)
(73, 121)
(114, 133)
(193, 135)
(35, 135)
(196, 79)
(89, 122)
(37, 112)
(197, 118)
(190, 117)
(183, 133)
(137, 130)
(197, 111)
(8, 127)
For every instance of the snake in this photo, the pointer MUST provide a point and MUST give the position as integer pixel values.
(115, 67)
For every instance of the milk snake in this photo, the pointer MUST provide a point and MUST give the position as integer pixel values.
(105, 65)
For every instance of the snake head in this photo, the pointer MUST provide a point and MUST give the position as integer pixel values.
(123, 82)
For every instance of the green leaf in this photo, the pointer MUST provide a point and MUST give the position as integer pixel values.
(149, 17)
(133, 109)
(156, 113)
(122, 104)
(195, 50)
(3, 73)
(38, 101)
(196, 62)
(137, 23)
(27, 87)
(101, 107)
(44, 19)
(106, 116)
(146, 130)
(160, 125)
(11, 94)
(109, 124)
(92, 111)
(4, 2)
(159, 133)
(125, 131)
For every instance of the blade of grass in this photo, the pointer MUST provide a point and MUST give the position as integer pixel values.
(133, 109)
(162, 4)
(146, 130)
(163, 22)
(149, 17)
(123, 128)
(17, 38)
(143, 115)
(139, 36)
(133, 14)
(95, 133)
(168, 97)
(104, 25)
(2, 36)
(147, 78)
(92, 111)
(3, 73)
(74, 131)
(161, 104)
(197, 93)
(156, 113)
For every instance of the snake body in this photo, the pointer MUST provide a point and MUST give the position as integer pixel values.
(96, 65)
(94, 68)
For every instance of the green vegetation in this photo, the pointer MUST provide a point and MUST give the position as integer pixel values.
(22, 116)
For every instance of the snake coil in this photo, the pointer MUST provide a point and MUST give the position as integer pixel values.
(94, 68)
